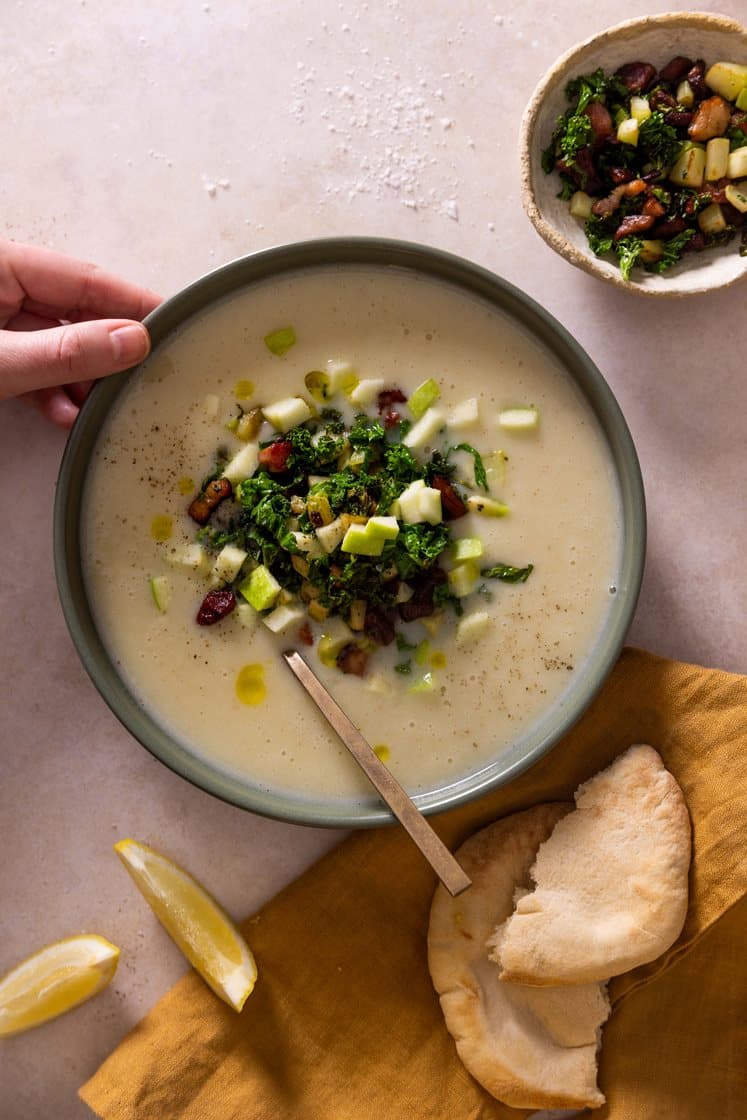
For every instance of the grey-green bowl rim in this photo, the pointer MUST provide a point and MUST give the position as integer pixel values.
(331, 252)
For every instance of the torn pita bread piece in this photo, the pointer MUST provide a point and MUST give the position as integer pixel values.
(611, 882)
(529, 1047)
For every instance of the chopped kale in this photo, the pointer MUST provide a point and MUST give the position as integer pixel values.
(508, 573)
(418, 547)
(658, 141)
(481, 477)
(672, 251)
(628, 251)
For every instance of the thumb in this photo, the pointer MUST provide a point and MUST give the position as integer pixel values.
(74, 352)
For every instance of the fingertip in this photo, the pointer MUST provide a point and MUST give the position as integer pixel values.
(130, 343)
(55, 405)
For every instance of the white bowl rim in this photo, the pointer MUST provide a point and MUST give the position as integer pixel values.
(550, 234)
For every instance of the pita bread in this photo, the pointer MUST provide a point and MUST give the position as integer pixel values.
(611, 881)
(529, 1047)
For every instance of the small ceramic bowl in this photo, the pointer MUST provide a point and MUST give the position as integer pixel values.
(654, 39)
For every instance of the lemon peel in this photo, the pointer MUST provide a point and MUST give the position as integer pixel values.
(194, 920)
(54, 980)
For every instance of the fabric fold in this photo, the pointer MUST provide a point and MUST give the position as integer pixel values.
(344, 1022)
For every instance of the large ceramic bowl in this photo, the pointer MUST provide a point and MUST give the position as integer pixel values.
(400, 259)
(655, 39)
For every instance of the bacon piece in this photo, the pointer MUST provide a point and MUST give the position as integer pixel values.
(621, 175)
(305, 635)
(214, 493)
(633, 223)
(378, 627)
(352, 659)
(679, 118)
(712, 118)
(636, 76)
(660, 99)
(215, 606)
(421, 604)
(451, 504)
(669, 228)
(275, 456)
(675, 69)
(696, 78)
(608, 205)
(600, 121)
(653, 207)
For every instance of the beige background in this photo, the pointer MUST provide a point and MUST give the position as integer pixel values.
(162, 145)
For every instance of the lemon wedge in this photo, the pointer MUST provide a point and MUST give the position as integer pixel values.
(203, 931)
(55, 980)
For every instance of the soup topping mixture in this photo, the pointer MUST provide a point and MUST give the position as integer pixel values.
(655, 162)
(340, 514)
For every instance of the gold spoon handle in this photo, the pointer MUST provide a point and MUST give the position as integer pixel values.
(412, 820)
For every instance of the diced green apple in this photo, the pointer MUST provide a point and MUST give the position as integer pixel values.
(406, 507)
(342, 377)
(247, 616)
(463, 579)
(689, 167)
(193, 556)
(384, 527)
(727, 79)
(717, 158)
(471, 628)
(160, 589)
(466, 414)
(736, 194)
(741, 102)
(228, 563)
(260, 589)
(640, 110)
(467, 548)
(366, 391)
(425, 429)
(211, 405)
(283, 617)
(712, 220)
(425, 684)
(307, 543)
(419, 502)
(287, 413)
(329, 536)
(685, 95)
(518, 419)
(627, 131)
(737, 168)
(244, 464)
(359, 542)
(486, 507)
(423, 397)
(580, 205)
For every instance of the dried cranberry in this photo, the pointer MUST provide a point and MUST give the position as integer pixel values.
(215, 606)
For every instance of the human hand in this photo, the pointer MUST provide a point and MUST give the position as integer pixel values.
(63, 323)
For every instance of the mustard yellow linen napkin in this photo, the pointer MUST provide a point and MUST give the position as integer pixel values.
(344, 1023)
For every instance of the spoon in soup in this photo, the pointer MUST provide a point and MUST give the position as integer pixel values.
(449, 871)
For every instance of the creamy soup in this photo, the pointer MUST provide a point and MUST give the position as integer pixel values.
(223, 691)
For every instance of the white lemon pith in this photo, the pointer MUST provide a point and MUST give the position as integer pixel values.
(54, 980)
(200, 927)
